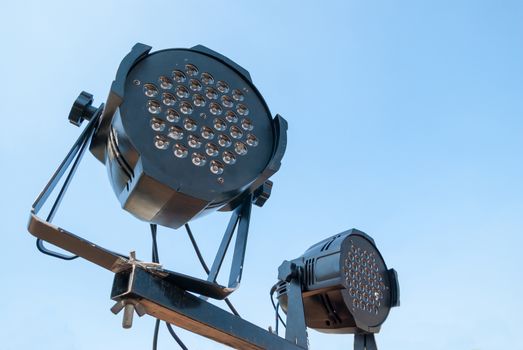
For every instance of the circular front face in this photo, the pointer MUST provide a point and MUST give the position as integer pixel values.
(199, 126)
(366, 281)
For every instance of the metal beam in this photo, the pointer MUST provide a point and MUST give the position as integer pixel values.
(164, 300)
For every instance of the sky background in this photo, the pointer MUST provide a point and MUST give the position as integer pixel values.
(405, 121)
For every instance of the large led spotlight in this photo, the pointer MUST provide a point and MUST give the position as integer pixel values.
(346, 285)
(186, 132)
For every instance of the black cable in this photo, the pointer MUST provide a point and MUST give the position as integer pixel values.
(276, 314)
(273, 289)
(175, 336)
(196, 249)
(204, 265)
(231, 307)
(154, 231)
(156, 259)
(155, 335)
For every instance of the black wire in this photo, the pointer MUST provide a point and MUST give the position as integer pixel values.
(156, 259)
(154, 230)
(273, 289)
(204, 265)
(276, 314)
(175, 336)
(196, 249)
(155, 335)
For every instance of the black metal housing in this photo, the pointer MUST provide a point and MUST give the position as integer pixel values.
(346, 285)
(150, 181)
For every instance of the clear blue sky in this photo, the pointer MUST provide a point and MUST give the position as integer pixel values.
(406, 122)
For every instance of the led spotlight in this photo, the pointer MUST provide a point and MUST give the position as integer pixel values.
(185, 132)
(346, 285)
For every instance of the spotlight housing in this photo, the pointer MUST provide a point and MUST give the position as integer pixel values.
(185, 132)
(346, 285)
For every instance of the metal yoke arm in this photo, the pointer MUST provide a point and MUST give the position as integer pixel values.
(365, 341)
(240, 219)
(44, 230)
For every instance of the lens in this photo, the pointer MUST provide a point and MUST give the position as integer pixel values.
(207, 79)
(211, 149)
(229, 158)
(222, 86)
(216, 167)
(157, 124)
(198, 100)
(252, 140)
(247, 124)
(215, 108)
(182, 92)
(237, 95)
(191, 70)
(190, 124)
(150, 90)
(195, 85)
(180, 151)
(242, 109)
(161, 142)
(224, 141)
(240, 148)
(153, 107)
(186, 108)
(168, 99)
(219, 124)
(179, 76)
(198, 159)
(165, 83)
(194, 141)
(231, 117)
(207, 133)
(227, 101)
(236, 132)
(172, 115)
(175, 132)
(211, 93)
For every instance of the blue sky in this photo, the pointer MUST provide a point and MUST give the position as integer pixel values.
(405, 121)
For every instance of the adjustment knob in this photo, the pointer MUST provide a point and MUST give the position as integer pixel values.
(82, 109)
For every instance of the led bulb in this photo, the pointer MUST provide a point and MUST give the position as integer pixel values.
(153, 107)
(161, 142)
(180, 151)
(150, 90)
(178, 76)
(207, 79)
(198, 159)
(216, 167)
(165, 83)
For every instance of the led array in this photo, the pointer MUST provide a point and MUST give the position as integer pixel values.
(364, 280)
(219, 133)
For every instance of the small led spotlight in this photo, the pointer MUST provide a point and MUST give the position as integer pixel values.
(185, 132)
(346, 285)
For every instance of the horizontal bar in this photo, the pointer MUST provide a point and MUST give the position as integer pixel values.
(164, 300)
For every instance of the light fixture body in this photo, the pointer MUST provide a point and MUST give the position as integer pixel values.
(346, 285)
(185, 132)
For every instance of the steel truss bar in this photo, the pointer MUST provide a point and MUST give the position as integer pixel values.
(165, 300)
